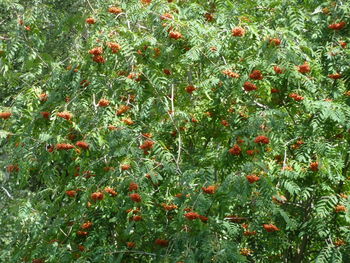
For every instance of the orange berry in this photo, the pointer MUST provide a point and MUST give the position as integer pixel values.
(238, 32)
(45, 114)
(96, 51)
(90, 20)
(65, 115)
(275, 41)
(97, 196)
(130, 244)
(335, 76)
(103, 103)
(252, 178)
(162, 242)
(110, 191)
(86, 225)
(314, 166)
(5, 115)
(256, 74)
(248, 86)
(83, 145)
(135, 197)
(125, 167)
(210, 189)
(277, 70)
(305, 68)
(270, 228)
(340, 208)
(190, 89)
(115, 10)
(64, 146)
(337, 26)
(114, 46)
(175, 35)
(71, 193)
(166, 16)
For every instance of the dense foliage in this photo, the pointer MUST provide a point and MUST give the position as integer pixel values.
(174, 131)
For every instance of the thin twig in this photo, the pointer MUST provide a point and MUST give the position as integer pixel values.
(285, 158)
(127, 20)
(290, 115)
(36, 52)
(172, 100)
(189, 75)
(285, 152)
(224, 60)
(261, 105)
(135, 252)
(90, 6)
(7, 192)
(70, 230)
(75, 97)
(94, 102)
(177, 161)
(179, 150)
(63, 232)
(199, 193)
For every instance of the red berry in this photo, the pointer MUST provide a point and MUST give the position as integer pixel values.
(238, 32)
(314, 166)
(256, 74)
(252, 178)
(5, 115)
(210, 189)
(305, 68)
(192, 215)
(262, 139)
(90, 20)
(235, 150)
(83, 145)
(135, 197)
(248, 86)
(270, 228)
(97, 196)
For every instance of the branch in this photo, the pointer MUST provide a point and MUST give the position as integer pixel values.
(90, 5)
(4, 38)
(344, 171)
(285, 152)
(63, 232)
(135, 252)
(300, 256)
(142, 27)
(261, 105)
(179, 150)
(285, 158)
(35, 51)
(94, 102)
(224, 60)
(171, 115)
(290, 116)
(172, 101)
(7, 192)
(346, 164)
(189, 76)
(76, 96)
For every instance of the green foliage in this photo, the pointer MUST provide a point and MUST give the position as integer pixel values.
(163, 103)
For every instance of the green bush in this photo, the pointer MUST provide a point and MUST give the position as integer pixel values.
(174, 131)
